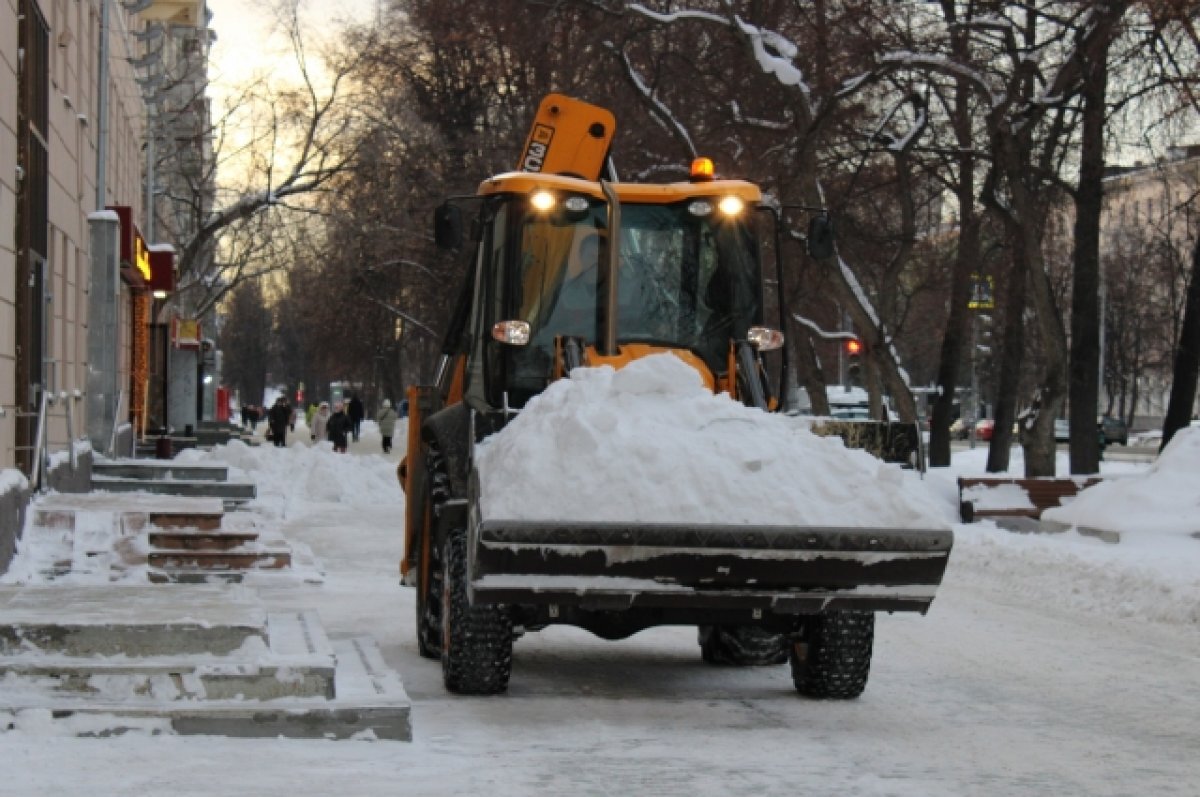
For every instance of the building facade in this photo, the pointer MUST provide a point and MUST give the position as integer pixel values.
(75, 267)
(1150, 226)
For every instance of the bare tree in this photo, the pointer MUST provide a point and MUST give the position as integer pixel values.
(1187, 358)
(274, 150)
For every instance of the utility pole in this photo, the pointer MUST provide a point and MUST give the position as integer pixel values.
(102, 111)
(974, 380)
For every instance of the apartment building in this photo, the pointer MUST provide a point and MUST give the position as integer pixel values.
(77, 269)
(1150, 225)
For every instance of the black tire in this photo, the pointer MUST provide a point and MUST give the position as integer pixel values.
(429, 588)
(476, 640)
(832, 658)
(742, 646)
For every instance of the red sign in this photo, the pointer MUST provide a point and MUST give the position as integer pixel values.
(162, 268)
(135, 256)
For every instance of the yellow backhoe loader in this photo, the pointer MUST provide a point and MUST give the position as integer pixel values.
(570, 267)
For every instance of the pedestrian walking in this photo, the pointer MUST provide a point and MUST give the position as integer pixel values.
(278, 418)
(320, 422)
(387, 424)
(338, 427)
(355, 411)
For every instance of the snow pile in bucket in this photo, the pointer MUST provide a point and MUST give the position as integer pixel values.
(650, 443)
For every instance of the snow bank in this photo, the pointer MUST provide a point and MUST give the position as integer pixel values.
(650, 443)
(300, 473)
(1163, 499)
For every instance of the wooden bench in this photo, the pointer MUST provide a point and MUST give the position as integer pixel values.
(1038, 494)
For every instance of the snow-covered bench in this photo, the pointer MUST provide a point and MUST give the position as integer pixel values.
(1004, 496)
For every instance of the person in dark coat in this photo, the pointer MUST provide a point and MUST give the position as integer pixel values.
(278, 417)
(355, 412)
(338, 427)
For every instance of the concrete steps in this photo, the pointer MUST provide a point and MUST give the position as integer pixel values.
(59, 511)
(190, 659)
(196, 556)
(157, 469)
(228, 492)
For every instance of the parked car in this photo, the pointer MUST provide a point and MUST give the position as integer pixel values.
(1113, 430)
(984, 428)
(958, 429)
(1062, 431)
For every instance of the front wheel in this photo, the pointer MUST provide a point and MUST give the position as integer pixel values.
(476, 640)
(832, 658)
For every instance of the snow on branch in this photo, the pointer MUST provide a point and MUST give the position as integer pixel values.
(676, 16)
(903, 143)
(820, 332)
(661, 112)
(859, 293)
(774, 52)
(765, 124)
(945, 66)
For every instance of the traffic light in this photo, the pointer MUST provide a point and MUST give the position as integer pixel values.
(854, 350)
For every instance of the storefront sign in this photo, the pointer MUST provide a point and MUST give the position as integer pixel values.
(185, 333)
(162, 269)
(135, 255)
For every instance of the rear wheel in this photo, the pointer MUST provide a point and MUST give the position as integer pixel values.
(741, 646)
(476, 640)
(832, 658)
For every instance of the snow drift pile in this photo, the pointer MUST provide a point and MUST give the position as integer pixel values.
(650, 443)
(1164, 499)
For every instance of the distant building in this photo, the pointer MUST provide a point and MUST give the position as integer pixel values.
(1150, 224)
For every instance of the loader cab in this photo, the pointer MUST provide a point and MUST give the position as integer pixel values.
(688, 277)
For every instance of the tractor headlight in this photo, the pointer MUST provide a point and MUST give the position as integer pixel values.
(514, 333)
(576, 204)
(542, 200)
(731, 205)
(765, 338)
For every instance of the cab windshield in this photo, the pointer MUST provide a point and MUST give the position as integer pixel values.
(684, 281)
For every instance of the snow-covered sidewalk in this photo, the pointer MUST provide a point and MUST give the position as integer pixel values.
(1037, 646)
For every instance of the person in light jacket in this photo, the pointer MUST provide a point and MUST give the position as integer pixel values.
(319, 421)
(387, 424)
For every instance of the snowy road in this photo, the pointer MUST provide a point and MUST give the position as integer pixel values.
(1020, 681)
(990, 694)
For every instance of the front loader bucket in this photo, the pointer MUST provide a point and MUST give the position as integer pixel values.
(782, 570)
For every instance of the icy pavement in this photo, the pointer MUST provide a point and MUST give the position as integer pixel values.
(1049, 664)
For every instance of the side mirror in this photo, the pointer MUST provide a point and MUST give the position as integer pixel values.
(448, 227)
(820, 237)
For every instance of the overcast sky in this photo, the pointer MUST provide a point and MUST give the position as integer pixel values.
(248, 40)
